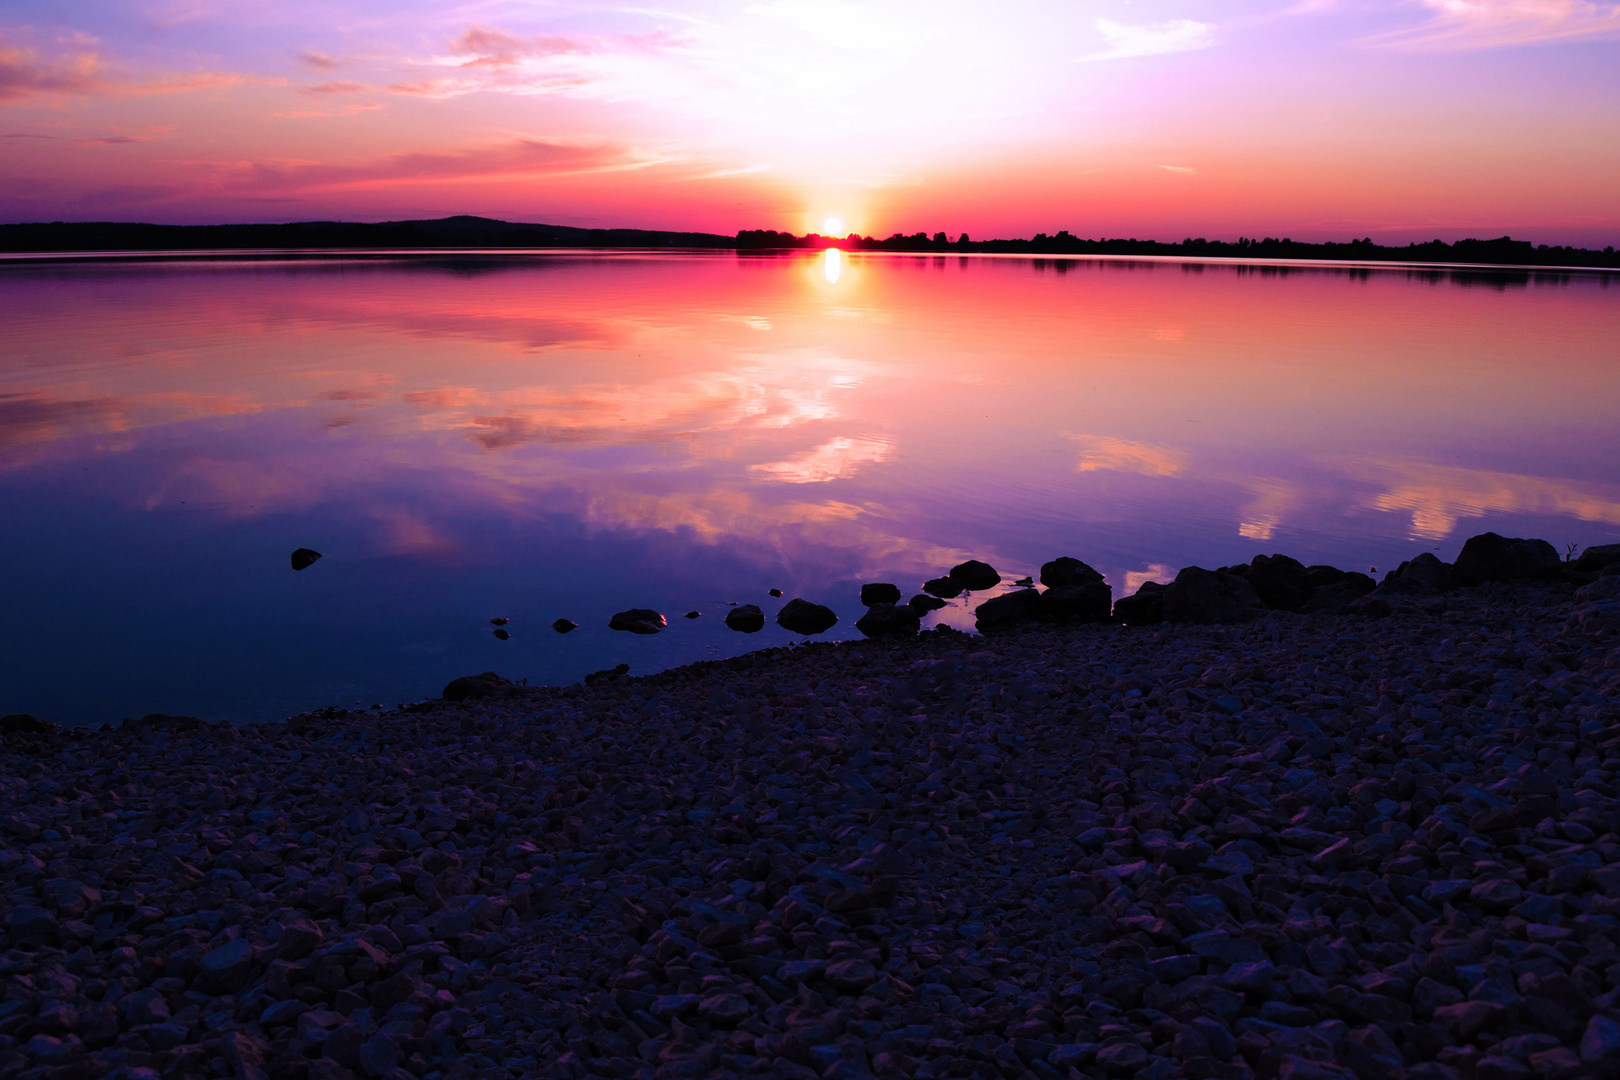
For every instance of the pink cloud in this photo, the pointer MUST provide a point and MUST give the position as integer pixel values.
(23, 73)
(498, 49)
(512, 159)
(1473, 24)
(336, 88)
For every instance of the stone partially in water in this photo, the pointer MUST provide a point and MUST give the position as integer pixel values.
(776, 592)
(747, 619)
(923, 603)
(25, 724)
(1066, 571)
(694, 614)
(803, 617)
(608, 675)
(499, 620)
(563, 626)
(638, 621)
(1091, 602)
(304, 557)
(1143, 608)
(485, 684)
(1282, 583)
(1422, 576)
(1594, 559)
(949, 588)
(1009, 608)
(1210, 596)
(502, 634)
(975, 575)
(888, 620)
(1490, 557)
(880, 592)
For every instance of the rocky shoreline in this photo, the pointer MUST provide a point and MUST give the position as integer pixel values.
(1373, 839)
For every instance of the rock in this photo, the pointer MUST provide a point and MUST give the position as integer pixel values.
(1210, 596)
(1007, 609)
(922, 603)
(1143, 608)
(1422, 576)
(304, 558)
(947, 588)
(164, 722)
(1335, 596)
(1122, 1059)
(563, 626)
(776, 592)
(378, 1055)
(1091, 602)
(486, 684)
(22, 723)
(880, 593)
(1460, 1023)
(1489, 557)
(725, 1010)
(1594, 559)
(638, 621)
(693, 615)
(747, 619)
(1283, 584)
(618, 671)
(975, 575)
(803, 617)
(888, 620)
(1600, 1043)
(499, 620)
(30, 927)
(501, 634)
(298, 939)
(226, 968)
(1066, 571)
(143, 1007)
(851, 976)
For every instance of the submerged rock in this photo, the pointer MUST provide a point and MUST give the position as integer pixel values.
(485, 684)
(888, 620)
(803, 617)
(1210, 596)
(694, 615)
(502, 634)
(922, 603)
(747, 619)
(1490, 557)
(880, 592)
(975, 575)
(638, 621)
(949, 588)
(563, 626)
(1066, 571)
(304, 557)
(499, 620)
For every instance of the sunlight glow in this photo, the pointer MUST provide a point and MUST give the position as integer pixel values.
(832, 265)
(833, 226)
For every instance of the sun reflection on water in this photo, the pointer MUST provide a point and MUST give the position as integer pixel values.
(832, 265)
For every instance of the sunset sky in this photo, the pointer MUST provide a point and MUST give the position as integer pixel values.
(1317, 119)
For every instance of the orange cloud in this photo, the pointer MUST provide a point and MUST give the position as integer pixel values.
(24, 74)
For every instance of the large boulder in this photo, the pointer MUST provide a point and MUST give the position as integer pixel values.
(803, 617)
(23, 723)
(638, 621)
(304, 558)
(1283, 584)
(975, 575)
(1335, 596)
(1422, 576)
(1210, 596)
(1594, 559)
(1066, 571)
(923, 603)
(880, 592)
(747, 619)
(947, 587)
(1088, 603)
(1142, 608)
(1489, 557)
(889, 620)
(1017, 606)
(487, 684)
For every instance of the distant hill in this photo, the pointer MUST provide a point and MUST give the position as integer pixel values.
(477, 232)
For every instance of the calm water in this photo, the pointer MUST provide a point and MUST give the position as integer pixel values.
(472, 437)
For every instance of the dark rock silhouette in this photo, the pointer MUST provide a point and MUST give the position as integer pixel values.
(638, 621)
(1087, 603)
(304, 557)
(1066, 571)
(24, 724)
(1490, 557)
(1017, 606)
(164, 722)
(1282, 583)
(880, 592)
(486, 684)
(563, 626)
(1024, 582)
(1594, 559)
(949, 588)
(1422, 576)
(502, 634)
(694, 614)
(975, 575)
(499, 621)
(610, 674)
(747, 619)
(803, 617)
(1144, 607)
(1318, 576)
(1336, 596)
(1210, 596)
(888, 620)
(776, 592)
(923, 603)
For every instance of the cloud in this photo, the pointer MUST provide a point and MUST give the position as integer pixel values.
(1177, 35)
(483, 47)
(336, 88)
(319, 61)
(838, 459)
(1481, 24)
(114, 140)
(23, 73)
(1106, 453)
(506, 160)
(1184, 169)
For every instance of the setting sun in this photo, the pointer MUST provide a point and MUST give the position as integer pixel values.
(832, 226)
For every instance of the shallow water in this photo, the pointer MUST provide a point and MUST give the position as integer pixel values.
(568, 435)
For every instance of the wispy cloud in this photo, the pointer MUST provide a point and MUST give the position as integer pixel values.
(318, 60)
(336, 88)
(24, 73)
(1186, 169)
(1480, 24)
(510, 159)
(483, 47)
(1177, 35)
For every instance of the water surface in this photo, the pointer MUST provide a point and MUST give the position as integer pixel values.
(533, 437)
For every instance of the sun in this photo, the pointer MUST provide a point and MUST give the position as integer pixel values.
(833, 226)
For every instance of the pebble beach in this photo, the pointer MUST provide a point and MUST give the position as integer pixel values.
(1373, 841)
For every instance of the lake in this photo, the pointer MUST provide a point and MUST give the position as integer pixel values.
(534, 437)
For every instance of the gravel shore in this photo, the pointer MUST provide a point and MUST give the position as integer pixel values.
(1304, 846)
